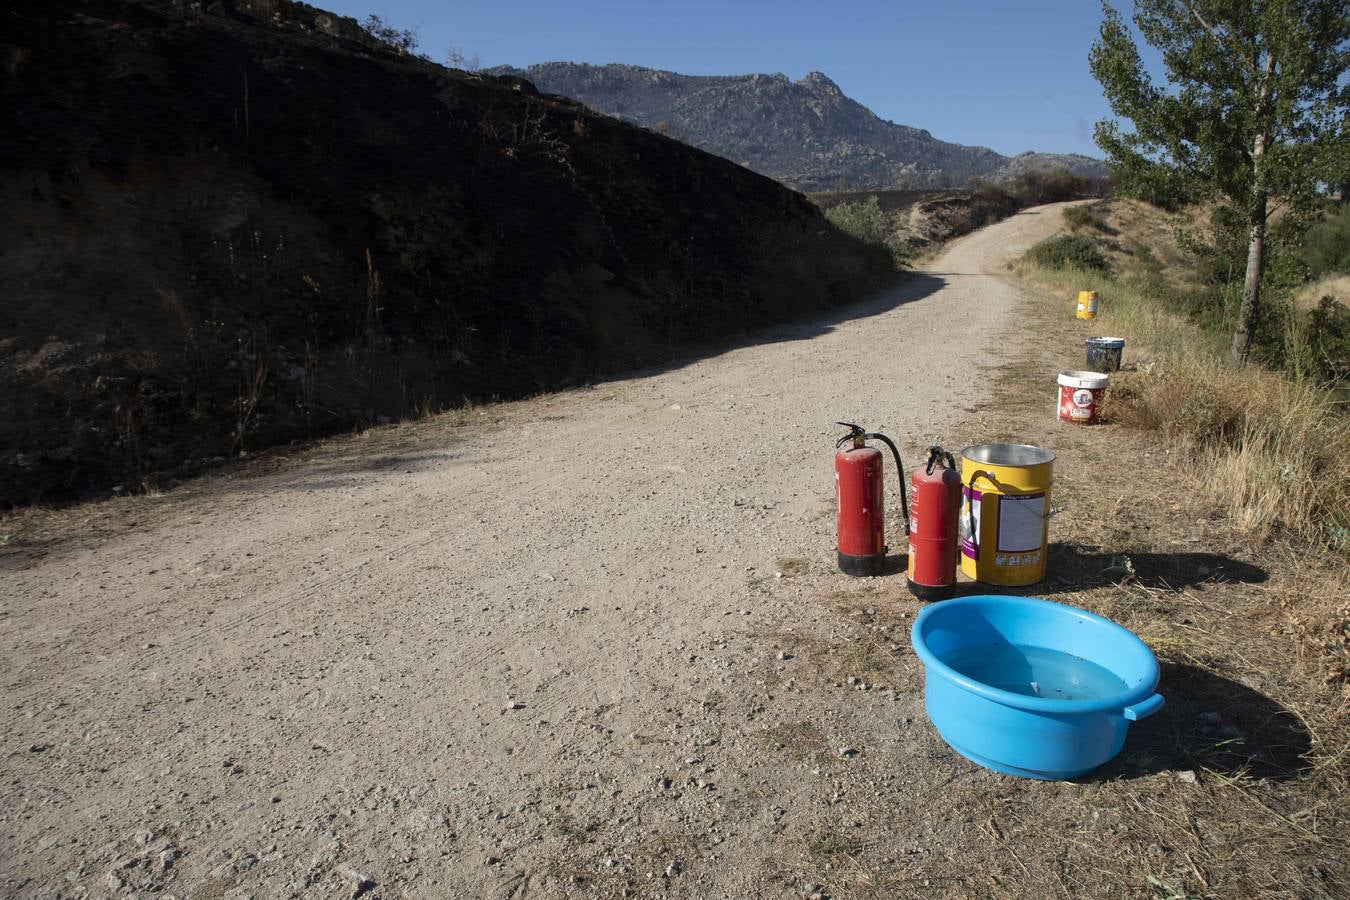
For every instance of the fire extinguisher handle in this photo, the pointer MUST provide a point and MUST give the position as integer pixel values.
(854, 433)
(900, 468)
(936, 455)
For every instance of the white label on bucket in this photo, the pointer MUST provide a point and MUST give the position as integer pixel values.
(1082, 397)
(1021, 522)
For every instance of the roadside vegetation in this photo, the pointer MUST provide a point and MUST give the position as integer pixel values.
(1086, 217)
(1233, 151)
(864, 220)
(1069, 251)
(1251, 120)
(1271, 441)
(909, 223)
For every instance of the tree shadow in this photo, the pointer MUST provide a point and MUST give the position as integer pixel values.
(911, 287)
(1214, 723)
(1075, 567)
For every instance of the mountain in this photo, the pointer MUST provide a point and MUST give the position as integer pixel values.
(230, 225)
(806, 133)
(1076, 163)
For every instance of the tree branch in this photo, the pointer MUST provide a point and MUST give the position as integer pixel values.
(1218, 38)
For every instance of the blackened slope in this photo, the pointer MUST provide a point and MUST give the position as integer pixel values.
(805, 133)
(226, 231)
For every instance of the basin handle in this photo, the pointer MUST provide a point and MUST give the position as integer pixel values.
(1145, 709)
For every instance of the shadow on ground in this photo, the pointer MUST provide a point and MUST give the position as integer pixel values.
(1075, 567)
(1213, 723)
(911, 287)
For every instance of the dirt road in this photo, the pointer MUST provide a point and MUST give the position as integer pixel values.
(582, 644)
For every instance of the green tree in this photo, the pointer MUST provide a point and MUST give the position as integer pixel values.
(1254, 108)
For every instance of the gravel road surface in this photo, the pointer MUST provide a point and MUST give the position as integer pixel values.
(582, 644)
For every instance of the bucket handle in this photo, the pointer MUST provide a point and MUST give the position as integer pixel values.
(1145, 709)
(981, 473)
(1008, 491)
(970, 506)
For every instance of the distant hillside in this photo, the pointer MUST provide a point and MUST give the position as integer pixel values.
(1032, 162)
(806, 134)
(233, 224)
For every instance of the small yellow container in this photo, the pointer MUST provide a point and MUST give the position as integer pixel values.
(1005, 512)
(1087, 304)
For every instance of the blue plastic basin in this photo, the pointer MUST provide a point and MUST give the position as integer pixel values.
(1032, 688)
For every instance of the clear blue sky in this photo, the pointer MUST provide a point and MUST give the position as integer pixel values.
(1006, 74)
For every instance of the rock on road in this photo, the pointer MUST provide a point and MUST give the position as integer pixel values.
(536, 648)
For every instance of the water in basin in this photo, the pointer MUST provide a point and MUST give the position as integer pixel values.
(1036, 672)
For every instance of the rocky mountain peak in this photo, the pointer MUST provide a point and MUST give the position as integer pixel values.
(820, 82)
(807, 134)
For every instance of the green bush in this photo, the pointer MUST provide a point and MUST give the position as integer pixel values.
(1219, 257)
(1328, 337)
(861, 218)
(1326, 248)
(1086, 217)
(1069, 251)
(1053, 185)
(864, 220)
(996, 194)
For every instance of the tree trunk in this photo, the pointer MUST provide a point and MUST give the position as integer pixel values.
(1256, 224)
(1251, 283)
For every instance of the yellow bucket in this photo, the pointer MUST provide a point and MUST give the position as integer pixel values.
(1087, 304)
(1005, 512)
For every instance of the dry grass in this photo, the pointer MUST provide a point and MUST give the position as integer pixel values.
(1136, 224)
(1334, 286)
(1275, 451)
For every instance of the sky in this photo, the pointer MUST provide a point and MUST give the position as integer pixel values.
(1011, 75)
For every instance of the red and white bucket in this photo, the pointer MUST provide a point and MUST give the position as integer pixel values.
(1080, 396)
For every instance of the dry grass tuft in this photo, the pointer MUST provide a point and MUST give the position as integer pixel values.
(792, 566)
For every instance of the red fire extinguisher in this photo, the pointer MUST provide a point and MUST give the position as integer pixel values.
(857, 486)
(934, 516)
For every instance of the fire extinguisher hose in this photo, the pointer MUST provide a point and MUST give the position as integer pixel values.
(899, 467)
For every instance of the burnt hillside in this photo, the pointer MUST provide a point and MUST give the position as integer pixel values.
(230, 225)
